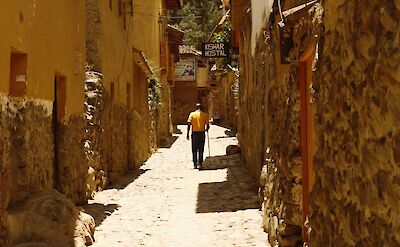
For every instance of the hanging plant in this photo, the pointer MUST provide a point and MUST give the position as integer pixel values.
(154, 87)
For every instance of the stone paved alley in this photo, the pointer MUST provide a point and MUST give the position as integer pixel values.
(168, 203)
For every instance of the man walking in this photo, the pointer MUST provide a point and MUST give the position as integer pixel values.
(199, 122)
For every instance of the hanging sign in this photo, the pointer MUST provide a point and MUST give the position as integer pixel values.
(215, 49)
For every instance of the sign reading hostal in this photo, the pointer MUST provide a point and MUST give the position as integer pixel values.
(215, 49)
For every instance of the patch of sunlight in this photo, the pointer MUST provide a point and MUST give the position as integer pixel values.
(213, 176)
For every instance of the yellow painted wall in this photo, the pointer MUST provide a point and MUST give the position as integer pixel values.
(52, 34)
(143, 31)
(117, 50)
(146, 32)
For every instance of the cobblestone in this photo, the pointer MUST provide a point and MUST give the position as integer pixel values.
(168, 203)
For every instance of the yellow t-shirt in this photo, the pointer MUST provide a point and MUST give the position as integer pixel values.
(198, 120)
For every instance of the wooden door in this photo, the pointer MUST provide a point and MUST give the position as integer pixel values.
(307, 129)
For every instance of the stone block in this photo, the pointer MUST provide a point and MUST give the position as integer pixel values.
(50, 219)
(233, 149)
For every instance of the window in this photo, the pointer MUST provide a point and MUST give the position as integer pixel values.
(122, 12)
(128, 95)
(18, 77)
(112, 92)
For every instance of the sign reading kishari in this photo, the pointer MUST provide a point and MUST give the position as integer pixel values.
(215, 49)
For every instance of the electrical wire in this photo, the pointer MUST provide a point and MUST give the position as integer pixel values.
(169, 17)
(128, 32)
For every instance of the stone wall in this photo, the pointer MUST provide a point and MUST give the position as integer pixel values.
(48, 218)
(94, 105)
(31, 147)
(26, 154)
(355, 197)
(72, 161)
(5, 175)
(107, 135)
(139, 147)
(164, 120)
(227, 100)
(113, 143)
(117, 139)
(275, 126)
(118, 156)
(269, 124)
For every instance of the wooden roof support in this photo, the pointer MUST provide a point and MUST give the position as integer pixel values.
(140, 59)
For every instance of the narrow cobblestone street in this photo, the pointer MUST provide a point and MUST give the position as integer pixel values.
(168, 203)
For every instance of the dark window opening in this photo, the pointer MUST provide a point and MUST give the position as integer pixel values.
(128, 95)
(18, 77)
(112, 92)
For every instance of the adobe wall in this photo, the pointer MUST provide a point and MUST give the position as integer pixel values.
(94, 44)
(145, 23)
(58, 49)
(26, 123)
(355, 198)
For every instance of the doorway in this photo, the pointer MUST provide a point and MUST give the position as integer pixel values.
(59, 104)
(307, 137)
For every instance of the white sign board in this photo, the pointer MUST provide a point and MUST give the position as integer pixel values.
(185, 70)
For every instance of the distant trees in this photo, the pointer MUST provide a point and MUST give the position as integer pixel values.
(198, 19)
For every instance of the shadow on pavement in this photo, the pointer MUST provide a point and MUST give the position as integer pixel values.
(229, 132)
(238, 192)
(99, 211)
(167, 143)
(223, 125)
(218, 162)
(127, 179)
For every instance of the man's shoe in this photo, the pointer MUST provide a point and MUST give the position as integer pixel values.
(200, 166)
(195, 165)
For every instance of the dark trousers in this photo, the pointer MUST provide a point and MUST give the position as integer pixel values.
(198, 139)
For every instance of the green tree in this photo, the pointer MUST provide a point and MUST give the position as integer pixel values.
(224, 34)
(197, 18)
